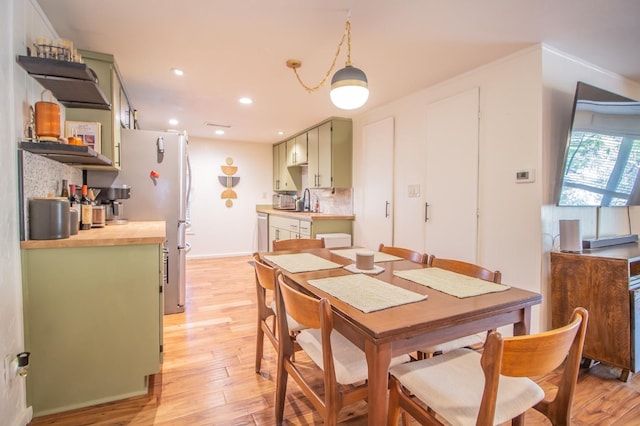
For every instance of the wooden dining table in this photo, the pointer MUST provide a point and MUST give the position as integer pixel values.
(402, 329)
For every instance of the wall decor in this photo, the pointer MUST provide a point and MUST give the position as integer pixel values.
(229, 181)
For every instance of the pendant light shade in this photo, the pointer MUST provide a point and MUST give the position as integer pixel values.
(349, 88)
(349, 85)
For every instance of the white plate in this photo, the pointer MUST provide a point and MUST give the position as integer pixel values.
(375, 271)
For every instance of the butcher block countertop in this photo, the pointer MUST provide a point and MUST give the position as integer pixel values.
(310, 216)
(130, 233)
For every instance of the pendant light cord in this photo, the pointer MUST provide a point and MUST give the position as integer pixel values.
(346, 35)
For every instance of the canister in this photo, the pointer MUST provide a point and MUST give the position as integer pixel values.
(49, 218)
(99, 216)
(47, 118)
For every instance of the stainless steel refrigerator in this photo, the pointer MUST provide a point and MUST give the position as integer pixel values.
(156, 167)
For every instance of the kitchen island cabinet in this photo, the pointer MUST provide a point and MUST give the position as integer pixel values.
(285, 224)
(93, 315)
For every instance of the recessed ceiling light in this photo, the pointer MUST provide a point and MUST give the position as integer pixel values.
(173, 122)
(177, 71)
(246, 101)
(280, 132)
(219, 132)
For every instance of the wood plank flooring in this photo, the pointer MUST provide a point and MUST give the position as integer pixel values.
(208, 376)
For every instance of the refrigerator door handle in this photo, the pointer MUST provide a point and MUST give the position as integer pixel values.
(182, 254)
(182, 234)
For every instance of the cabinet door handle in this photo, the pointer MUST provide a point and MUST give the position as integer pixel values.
(426, 212)
(386, 209)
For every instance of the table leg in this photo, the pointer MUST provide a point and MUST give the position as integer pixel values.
(524, 327)
(378, 360)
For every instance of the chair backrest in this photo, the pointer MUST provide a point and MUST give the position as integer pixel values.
(312, 313)
(535, 355)
(298, 243)
(265, 282)
(265, 274)
(404, 253)
(465, 268)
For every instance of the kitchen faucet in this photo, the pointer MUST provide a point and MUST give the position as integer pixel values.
(306, 196)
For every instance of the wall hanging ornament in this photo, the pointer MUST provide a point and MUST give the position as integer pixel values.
(229, 181)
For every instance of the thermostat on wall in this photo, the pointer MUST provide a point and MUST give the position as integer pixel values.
(525, 176)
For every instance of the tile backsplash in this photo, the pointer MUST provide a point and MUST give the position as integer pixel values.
(337, 201)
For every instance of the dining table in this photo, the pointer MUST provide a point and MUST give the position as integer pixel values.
(417, 317)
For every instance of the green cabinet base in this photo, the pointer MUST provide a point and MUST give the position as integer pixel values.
(92, 324)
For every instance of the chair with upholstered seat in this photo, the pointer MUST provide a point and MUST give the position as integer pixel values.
(404, 253)
(344, 365)
(298, 244)
(464, 387)
(470, 270)
(265, 291)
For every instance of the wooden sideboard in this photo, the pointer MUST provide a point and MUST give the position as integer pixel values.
(606, 282)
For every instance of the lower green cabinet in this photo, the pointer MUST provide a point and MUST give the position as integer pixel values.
(93, 323)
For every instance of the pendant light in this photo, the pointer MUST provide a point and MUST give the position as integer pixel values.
(349, 85)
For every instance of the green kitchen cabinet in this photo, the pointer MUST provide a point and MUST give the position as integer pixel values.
(297, 150)
(285, 228)
(113, 120)
(93, 323)
(284, 178)
(327, 155)
(334, 154)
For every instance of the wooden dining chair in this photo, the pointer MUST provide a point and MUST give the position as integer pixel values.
(470, 270)
(298, 243)
(344, 365)
(464, 387)
(265, 292)
(404, 253)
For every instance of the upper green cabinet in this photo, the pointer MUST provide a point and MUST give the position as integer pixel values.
(330, 155)
(284, 178)
(112, 120)
(297, 150)
(325, 150)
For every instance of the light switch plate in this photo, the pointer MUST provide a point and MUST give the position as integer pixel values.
(413, 190)
(525, 176)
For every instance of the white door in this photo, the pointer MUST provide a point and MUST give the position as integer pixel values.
(377, 216)
(451, 187)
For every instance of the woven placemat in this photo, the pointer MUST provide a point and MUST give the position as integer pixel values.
(366, 293)
(301, 262)
(452, 283)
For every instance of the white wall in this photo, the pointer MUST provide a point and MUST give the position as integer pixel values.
(509, 137)
(217, 230)
(561, 73)
(525, 109)
(12, 398)
(20, 22)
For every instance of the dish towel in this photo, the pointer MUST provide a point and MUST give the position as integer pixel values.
(452, 283)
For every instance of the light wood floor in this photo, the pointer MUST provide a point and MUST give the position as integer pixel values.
(208, 373)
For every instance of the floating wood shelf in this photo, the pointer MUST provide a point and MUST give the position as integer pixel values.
(74, 84)
(67, 154)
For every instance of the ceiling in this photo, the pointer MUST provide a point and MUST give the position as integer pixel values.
(234, 48)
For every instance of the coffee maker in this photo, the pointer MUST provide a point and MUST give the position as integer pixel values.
(110, 198)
